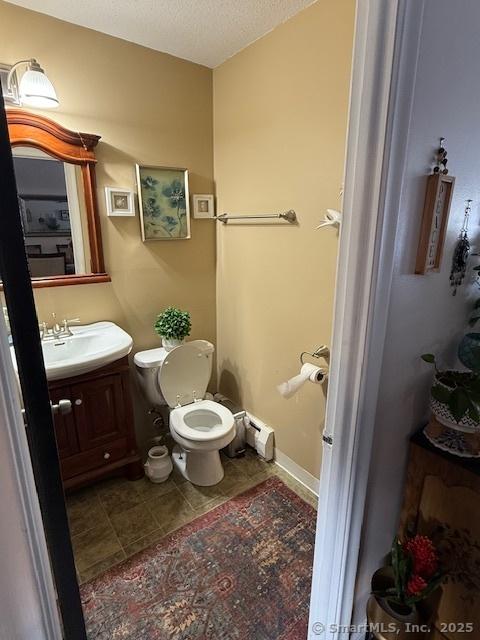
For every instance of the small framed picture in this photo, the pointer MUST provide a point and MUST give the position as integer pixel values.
(119, 201)
(203, 206)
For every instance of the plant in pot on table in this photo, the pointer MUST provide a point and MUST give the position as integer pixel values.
(398, 589)
(173, 325)
(455, 404)
(455, 396)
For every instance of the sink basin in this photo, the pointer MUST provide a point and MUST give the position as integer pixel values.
(92, 346)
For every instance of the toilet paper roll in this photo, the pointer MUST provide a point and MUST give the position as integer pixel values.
(309, 372)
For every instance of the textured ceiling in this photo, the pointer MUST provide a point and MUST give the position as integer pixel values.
(203, 31)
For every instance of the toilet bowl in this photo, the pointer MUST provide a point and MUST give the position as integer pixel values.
(200, 427)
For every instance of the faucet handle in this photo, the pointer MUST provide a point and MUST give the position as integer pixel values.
(66, 325)
(42, 327)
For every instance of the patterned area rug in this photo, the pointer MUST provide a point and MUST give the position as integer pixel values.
(243, 571)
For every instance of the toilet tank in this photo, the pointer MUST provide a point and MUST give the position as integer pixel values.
(148, 364)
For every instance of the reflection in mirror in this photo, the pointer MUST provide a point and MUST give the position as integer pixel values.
(52, 209)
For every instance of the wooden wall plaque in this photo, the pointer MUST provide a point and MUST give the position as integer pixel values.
(436, 210)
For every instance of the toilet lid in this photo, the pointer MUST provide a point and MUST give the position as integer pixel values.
(185, 374)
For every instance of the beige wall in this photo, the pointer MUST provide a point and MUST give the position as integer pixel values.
(280, 109)
(149, 108)
(280, 114)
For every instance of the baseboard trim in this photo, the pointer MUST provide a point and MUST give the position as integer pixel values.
(296, 471)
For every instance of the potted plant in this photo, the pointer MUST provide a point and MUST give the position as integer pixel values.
(173, 325)
(412, 576)
(455, 397)
(469, 348)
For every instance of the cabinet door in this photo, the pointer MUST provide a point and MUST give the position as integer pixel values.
(65, 432)
(99, 410)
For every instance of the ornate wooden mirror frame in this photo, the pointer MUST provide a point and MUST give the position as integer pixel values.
(31, 130)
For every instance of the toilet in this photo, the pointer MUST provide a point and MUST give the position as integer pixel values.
(200, 427)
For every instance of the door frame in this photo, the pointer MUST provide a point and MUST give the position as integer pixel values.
(39, 428)
(14, 440)
(386, 49)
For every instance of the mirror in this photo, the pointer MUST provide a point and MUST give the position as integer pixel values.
(50, 197)
(55, 174)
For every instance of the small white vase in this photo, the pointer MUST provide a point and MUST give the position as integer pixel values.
(159, 464)
(170, 343)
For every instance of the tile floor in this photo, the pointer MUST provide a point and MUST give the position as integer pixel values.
(116, 518)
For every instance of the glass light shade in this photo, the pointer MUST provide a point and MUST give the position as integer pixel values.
(36, 90)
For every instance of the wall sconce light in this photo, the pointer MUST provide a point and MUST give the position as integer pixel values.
(34, 89)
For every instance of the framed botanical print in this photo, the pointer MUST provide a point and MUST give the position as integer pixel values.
(163, 200)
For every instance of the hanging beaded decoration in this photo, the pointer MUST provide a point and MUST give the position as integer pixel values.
(442, 160)
(460, 255)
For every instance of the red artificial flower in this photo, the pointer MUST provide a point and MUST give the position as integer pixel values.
(416, 585)
(424, 556)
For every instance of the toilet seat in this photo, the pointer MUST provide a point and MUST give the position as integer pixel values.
(202, 421)
(185, 374)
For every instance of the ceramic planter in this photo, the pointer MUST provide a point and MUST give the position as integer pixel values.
(388, 622)
(443, 414)
(171, 343)
(159, 464)
(459, 443)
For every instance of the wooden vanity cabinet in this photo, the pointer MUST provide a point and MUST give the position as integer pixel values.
(98, 437)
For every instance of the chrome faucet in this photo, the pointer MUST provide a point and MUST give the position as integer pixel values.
(56, 331)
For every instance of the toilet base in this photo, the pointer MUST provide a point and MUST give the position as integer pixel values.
(203, 468)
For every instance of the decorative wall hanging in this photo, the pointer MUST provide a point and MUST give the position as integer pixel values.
(163, 202)
(460, 255)
(203, 206)
(436, 210)
(119, 202)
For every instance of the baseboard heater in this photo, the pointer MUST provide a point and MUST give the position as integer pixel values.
(259, 436)
(249, 430)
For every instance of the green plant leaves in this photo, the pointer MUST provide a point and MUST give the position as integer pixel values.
(428, 357)
(402, 568)
(441, 394)
(460, 392)
(173, 323)
(458, 403)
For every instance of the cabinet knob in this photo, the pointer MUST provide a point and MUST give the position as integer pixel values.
(106, 455)
(78, 402)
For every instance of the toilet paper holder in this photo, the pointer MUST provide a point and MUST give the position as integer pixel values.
(322, 352)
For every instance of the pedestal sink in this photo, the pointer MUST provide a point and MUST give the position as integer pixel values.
(90, 347)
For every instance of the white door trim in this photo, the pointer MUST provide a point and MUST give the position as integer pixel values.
(387, 38)
(47, 626)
